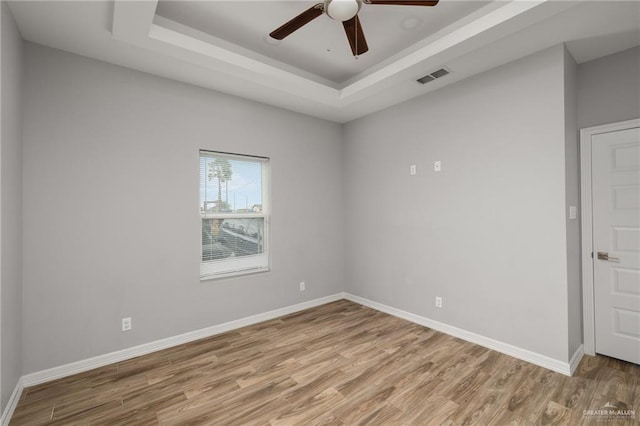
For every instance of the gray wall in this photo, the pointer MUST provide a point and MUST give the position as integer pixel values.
(111, 219)
(609, 89)
(488, 233)
(104, 146)
(572, 193)
(11, 207)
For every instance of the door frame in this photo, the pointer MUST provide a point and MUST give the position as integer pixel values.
(586, 206)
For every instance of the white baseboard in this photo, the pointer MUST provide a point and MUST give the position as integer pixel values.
(118, 356)
(12, 403)
(496, 345)
(575, 359)
(32, 379)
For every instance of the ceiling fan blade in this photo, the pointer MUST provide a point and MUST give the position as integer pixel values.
(404, 2)
(298, 22)
(353, 29)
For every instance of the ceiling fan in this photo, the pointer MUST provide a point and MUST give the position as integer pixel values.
(345, 11)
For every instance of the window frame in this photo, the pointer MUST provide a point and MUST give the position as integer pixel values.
(245, 265)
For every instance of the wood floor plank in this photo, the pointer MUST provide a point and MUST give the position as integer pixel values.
(311, 409)
(37, 413)
(336, 364)
(368, 400)
(556, 414)
(476, 411)
(572, 392)
(434, 410)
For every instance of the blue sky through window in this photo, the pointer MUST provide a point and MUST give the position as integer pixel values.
(242, 191)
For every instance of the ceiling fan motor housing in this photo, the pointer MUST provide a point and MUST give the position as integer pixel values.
(342, 10)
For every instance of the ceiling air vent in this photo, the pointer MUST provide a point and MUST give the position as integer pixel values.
(436, 74)
(426, 79)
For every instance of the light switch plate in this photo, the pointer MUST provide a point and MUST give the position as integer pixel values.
(437, 166)
(412, 169)
(573, 212)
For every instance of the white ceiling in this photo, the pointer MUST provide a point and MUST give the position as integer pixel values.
(320, 47)
(221, 44)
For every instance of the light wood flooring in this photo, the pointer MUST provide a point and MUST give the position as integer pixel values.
(336, 364)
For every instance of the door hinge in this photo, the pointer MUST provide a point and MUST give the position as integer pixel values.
(592, 255)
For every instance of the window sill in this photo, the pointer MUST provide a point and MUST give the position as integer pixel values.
(236, 274)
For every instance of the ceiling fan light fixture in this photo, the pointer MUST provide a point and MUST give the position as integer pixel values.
(342, 10)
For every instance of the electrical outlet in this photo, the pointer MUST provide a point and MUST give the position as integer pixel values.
(412, 169)
(437, 166)
(303, 286)
(126, 324)
(438, 302)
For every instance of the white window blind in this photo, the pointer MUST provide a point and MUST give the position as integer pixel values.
(234, 208)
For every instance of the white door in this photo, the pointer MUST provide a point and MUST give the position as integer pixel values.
(616, 242)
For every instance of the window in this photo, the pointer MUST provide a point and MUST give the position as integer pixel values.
(234, 212)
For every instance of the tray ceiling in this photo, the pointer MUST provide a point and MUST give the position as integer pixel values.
(222, 45)
(321, 46)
